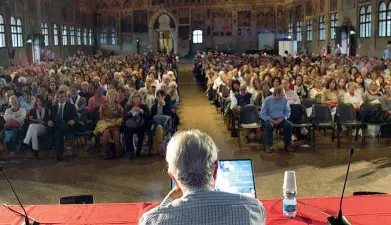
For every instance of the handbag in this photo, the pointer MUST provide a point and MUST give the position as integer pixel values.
(134, 122)
(12, 124)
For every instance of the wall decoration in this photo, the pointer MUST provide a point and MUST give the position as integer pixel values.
(270, 19)
(127, 3)
(280, 18)
(333, 5)
(298, 12)
(222, 20)
(183, 32)
(322, 6)
(198, 18)
(140, 21)
(244, 18)
(260, 21)
(308, 8)
(347, 4)
(126, 23)
(184, 16)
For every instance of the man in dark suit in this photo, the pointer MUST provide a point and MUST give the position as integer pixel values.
(62, 119)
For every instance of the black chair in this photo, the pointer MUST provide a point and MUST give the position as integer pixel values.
(321, 118)
(248, 119)
(359, 193)
(346, 116)
(81, 199)
(372, 114)
(299, 117)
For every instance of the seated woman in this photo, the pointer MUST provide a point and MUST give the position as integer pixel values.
(161, 115)
(316, 91)
(146, 98)
(14, 118)
(137, 122)
(39, 117)
(330, 93)
(111, 115)
(352, 97)
(26, 101)
(385, 100)
(372, 95)
(300, 89)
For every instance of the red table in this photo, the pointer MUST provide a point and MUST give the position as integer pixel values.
(360, 210)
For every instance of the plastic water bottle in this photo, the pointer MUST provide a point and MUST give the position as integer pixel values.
(289, 204)
(289, 191)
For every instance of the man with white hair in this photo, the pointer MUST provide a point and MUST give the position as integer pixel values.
(192, 164)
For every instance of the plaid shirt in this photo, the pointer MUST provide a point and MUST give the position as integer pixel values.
(203, 206)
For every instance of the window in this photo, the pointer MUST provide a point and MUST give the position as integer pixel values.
(322, 28)
(365, 21)
(309, 30)
(90, 37)
(298, 31)
(56, 33)
(384, 20)
(85, 37)
(290, 30)
(103, 37)
(197, 36)
(64, 35)
(2, 32)
(113, 37)
(16, 32)
(45, 33)
(333, 25)
(72, 34)
(78, 36)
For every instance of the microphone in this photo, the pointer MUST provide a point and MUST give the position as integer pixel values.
(341, 220)
(26, 218)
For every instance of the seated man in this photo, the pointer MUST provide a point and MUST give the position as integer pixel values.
(192, 164)
(274, 114)
(62, 117)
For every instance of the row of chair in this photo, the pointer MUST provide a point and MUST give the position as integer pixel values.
(320, 117)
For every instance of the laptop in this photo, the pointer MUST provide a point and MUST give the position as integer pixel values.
(235, 176)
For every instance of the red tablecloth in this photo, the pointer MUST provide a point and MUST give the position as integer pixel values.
(360, 210)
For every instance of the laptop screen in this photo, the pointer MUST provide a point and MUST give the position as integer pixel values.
(235, 176)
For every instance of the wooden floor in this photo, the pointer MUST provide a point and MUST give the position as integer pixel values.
(320, 172)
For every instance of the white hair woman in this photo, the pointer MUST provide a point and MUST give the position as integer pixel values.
(193, 164)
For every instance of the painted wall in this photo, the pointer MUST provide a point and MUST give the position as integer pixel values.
(348, 10)
(33, 13)
(226, 25)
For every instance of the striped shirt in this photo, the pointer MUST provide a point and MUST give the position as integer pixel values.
(203, 206)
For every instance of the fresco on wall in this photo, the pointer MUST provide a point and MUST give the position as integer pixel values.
(127, 3)
(347, 4)
(184, 16)
(265, 19)
(280, 18)
(308, 8)
(198, 18)
(126, 23)
(333, 5)
(244, 18)
(140, 21)
(322, 6)
(298, 12)
(183, 32)
(222, 22)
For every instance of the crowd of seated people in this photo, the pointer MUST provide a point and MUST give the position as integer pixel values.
(331, 80)
(116, 98)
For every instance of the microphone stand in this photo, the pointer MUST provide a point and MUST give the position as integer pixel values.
(341, 220)
(26, 217)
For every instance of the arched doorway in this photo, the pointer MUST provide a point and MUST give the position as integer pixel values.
(163, 32)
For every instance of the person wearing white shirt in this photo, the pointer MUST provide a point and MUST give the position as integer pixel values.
(194, 200)
(290, 95)
(352, 96)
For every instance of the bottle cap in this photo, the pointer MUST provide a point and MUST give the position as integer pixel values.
(289, 181)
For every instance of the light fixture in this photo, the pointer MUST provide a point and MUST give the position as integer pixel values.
(289, 37)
